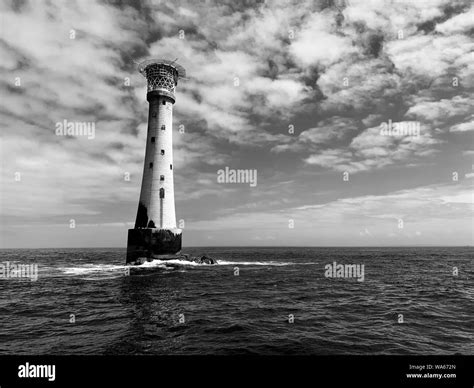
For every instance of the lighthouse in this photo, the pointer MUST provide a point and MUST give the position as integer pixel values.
(155, 235)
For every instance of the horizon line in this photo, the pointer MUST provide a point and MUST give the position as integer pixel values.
(269, 246)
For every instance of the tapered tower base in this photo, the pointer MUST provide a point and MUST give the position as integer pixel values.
(147, 244)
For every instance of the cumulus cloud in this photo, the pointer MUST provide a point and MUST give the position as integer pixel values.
(428, 211)
(333, 71)
(462, 127)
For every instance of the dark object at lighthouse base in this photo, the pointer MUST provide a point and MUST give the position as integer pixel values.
(205, 260)
(147, 244)
(200, 260)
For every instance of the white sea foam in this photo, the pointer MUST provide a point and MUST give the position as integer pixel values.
(93, 268)
(220, 262)
(162, 263)
(270, 263)
(180, 262)
(110, 271)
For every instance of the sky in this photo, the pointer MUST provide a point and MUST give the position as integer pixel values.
(296, 90)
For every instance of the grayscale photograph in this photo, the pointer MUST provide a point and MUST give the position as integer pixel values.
(225, 180)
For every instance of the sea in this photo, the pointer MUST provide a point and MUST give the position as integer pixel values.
(255, 301)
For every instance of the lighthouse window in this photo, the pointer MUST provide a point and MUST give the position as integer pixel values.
(163, 127)
(152, 139)
(163, 102)
(162, 177)
(151, 165)
(162, 193)
(171, 166)
(162, 152)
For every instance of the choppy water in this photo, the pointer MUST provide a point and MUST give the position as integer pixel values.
(246, 314)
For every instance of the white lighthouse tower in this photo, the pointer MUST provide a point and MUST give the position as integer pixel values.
(155, 234)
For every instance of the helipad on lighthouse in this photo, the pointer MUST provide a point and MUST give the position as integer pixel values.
(155, 234)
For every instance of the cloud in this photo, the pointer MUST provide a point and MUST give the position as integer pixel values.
(427, 212)
(328, 48)
(438, 112)
(334, 72)
(372, 149)
(429, 56)
(463, 127)
(457, 24)
(331, 158)
(327, 131)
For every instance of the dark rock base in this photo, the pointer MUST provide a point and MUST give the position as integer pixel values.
(200, 260)
(180, 257)
(148, 244)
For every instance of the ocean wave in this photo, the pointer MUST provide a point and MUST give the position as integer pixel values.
(219, 262)
(175, 262)
(270, 263)
(228, 262)
(88, 269)
(140, 314)
(110, 271)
